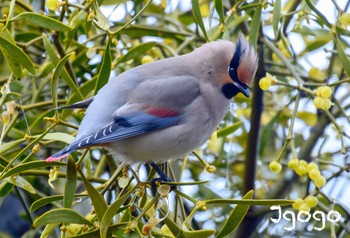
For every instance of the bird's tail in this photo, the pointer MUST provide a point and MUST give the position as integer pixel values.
(62, 153)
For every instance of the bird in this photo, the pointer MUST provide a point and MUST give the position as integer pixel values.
(165, 109)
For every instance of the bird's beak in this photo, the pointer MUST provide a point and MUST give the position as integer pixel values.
(243, 88)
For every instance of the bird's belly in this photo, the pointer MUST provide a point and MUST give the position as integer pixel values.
(169, 143)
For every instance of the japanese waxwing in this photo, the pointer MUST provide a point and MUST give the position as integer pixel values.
(168, 108)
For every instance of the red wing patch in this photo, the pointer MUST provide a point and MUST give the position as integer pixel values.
(162, 112)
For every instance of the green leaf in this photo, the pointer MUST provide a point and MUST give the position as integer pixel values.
(110, 213)
(47, 200)
(61, 215)
(343, 58)
(105, 69)
(49, 228)
(318, 42)
(16, 55)
(136, 30)
(10, 145)
(173, 227)
(252, 202)
(229, 129)
(276, 16)
(59, 136)
(102, 21)
(341, 31)
(44, 201)
(54, 58)
(41, 21)
(199, 233)
(97, 199)
(236, 216)
(28, 166)
(189, 233)
(20, 182)
(14, 64)
(136, 51)
(70, 185)
(321, 17)
(54, 78)
(255, 26)
(198, 17)
(10, 12)
(220, 10)
(78, 19)
(5, 189)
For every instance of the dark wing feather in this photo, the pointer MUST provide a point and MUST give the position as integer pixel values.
(82, 104)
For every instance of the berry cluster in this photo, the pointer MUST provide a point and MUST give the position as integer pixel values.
(301, 167)
(305, 204)
(322, 100)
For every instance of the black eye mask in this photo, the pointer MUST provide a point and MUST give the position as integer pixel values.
(231, 89)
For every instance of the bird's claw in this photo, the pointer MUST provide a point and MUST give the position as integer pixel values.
(155, 183)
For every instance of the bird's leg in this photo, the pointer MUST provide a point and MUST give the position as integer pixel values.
(162, 178)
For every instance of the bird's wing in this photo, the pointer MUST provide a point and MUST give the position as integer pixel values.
(155, 107)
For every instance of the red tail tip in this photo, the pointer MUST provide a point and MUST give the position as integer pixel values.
(52, 159)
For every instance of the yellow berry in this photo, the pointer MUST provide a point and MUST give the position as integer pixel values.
(345, 19)
(301, 170)
(205, 9)
(304, 207)
(314, 72)
(210, 168)
(311, 201)
(322, 103)
(320, 181)
(163, 4)
(311, 166)
(147, 59)
(297, 203)
(303, 163)
(318, 101)
(314, 173)
(327, 103)
(293, 164)
(275, 167)
(52, 4)
(326, 92)
(265, 83)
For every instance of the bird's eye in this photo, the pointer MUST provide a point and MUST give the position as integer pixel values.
(232, 71)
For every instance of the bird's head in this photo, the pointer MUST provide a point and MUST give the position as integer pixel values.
(241, 70)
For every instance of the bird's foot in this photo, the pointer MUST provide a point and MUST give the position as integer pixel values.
(162, 178)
